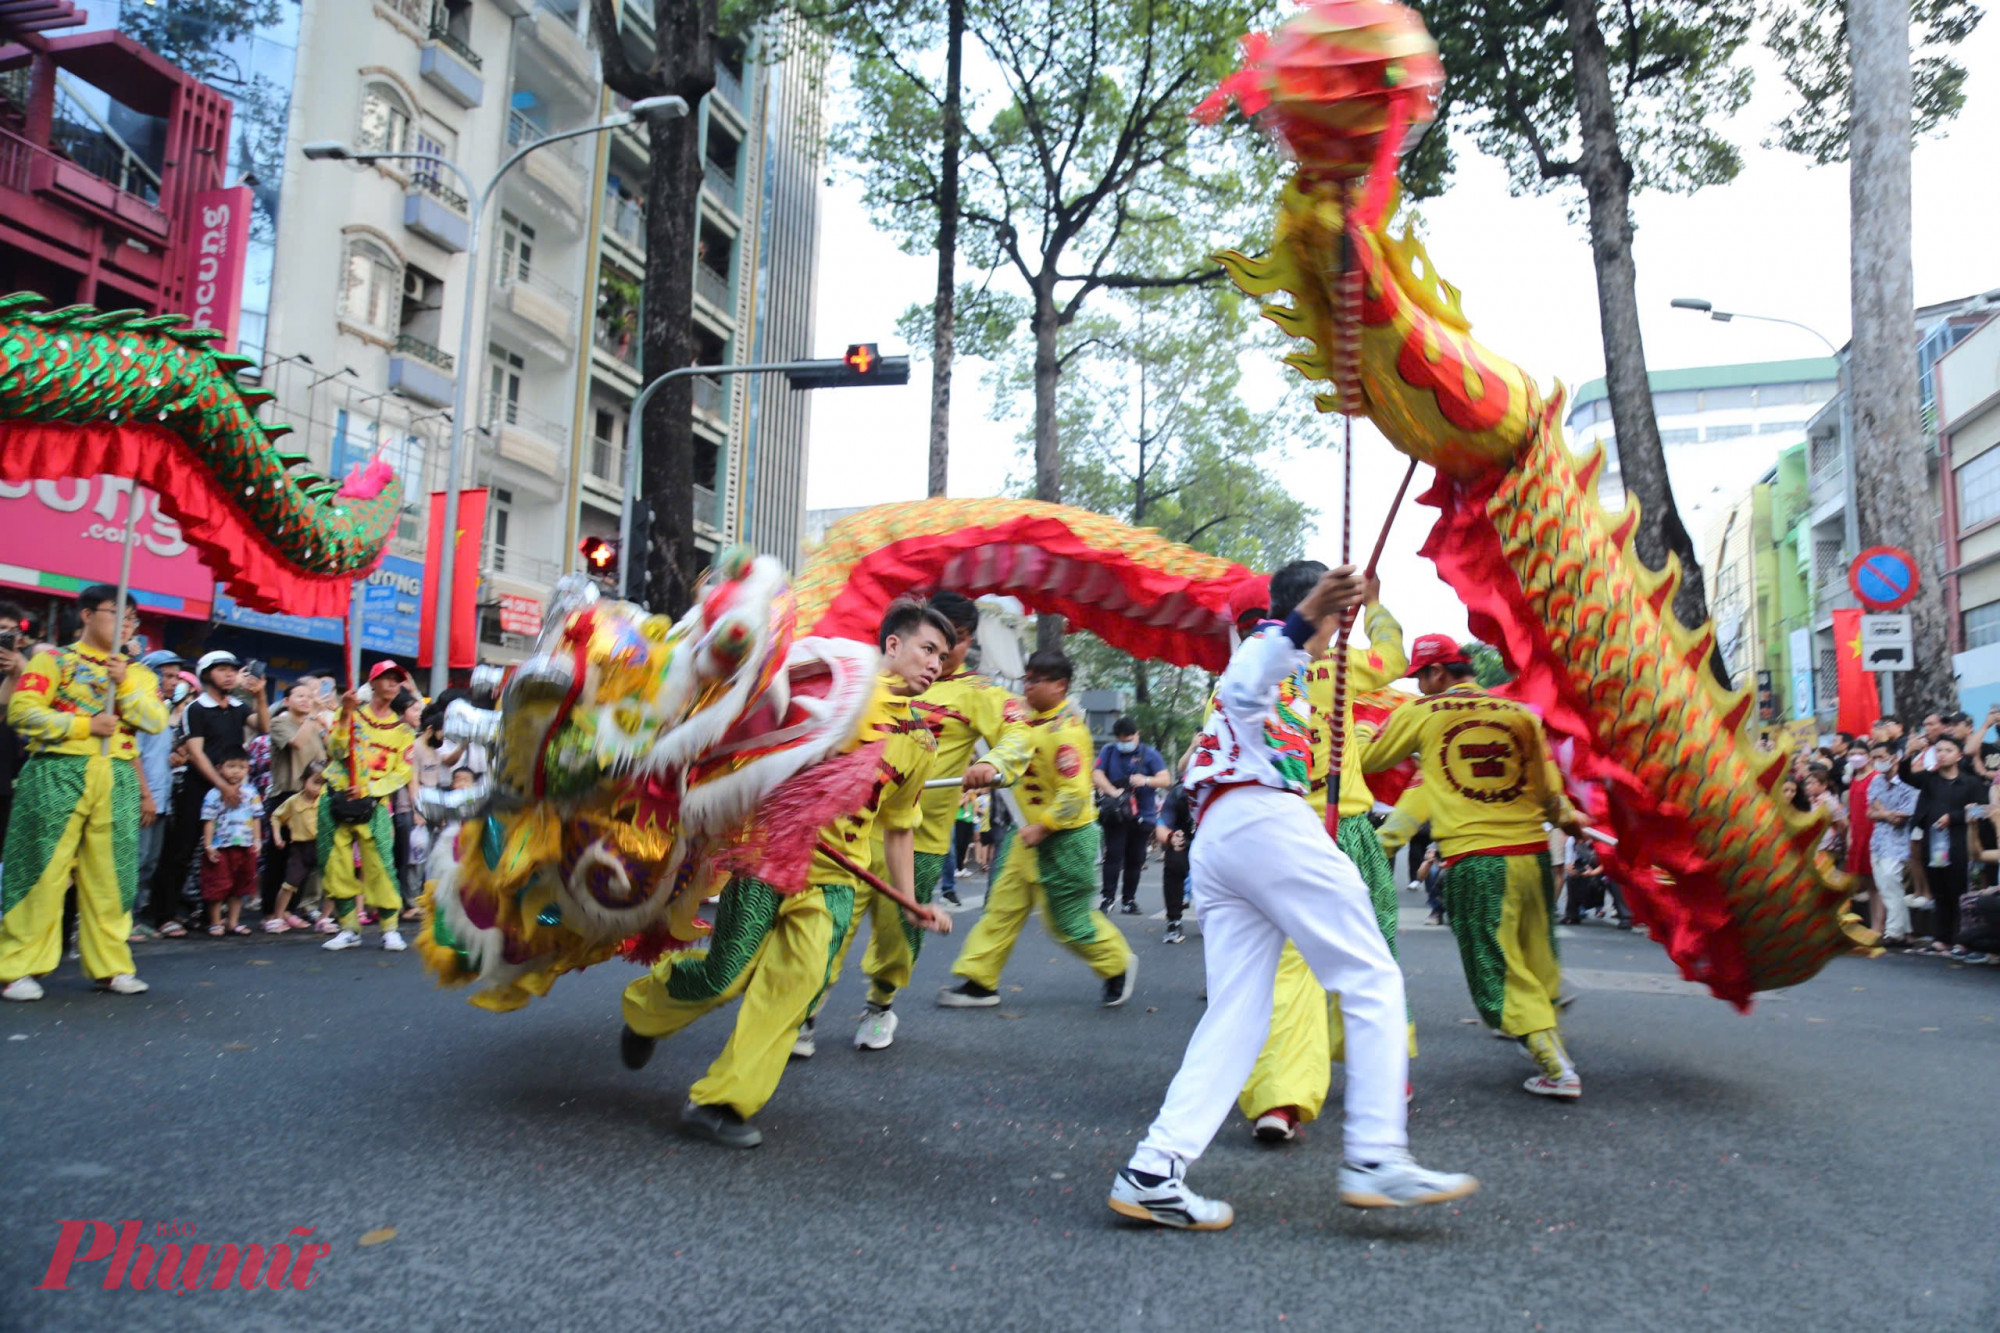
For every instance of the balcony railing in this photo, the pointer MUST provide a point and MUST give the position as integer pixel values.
(707, 507)
(620, 343)
(713, 287)
(721, 180)
(505, 412)
(520, 566)
(416, 12)
(442, 34)
(607, 461)
(522, 131)
(511, 275)
(411, 345)
(626, 218)
(728, 85)
(708, 396)
(429, 181)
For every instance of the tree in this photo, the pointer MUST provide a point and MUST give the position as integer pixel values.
(1616, 98)
(686, 45)
(1810, 39)
(193, 34)
(1087, 148)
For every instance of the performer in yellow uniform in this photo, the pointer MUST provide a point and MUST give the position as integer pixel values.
(1051, 863)
(76, 806)
(1491, 787)
(368, 760)
(960, 709)
(1288, 1087)
(776, 950)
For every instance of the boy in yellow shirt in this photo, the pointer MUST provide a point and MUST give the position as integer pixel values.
(776, 950)
(1491, 788)
(368, 761)
(1051, 863)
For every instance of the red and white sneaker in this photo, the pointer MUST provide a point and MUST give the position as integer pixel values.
(1568, 1088)
(1277, 1125)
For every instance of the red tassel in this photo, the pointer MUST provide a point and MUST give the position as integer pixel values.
(778, 849)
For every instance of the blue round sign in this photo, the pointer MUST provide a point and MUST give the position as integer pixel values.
(1884, 578)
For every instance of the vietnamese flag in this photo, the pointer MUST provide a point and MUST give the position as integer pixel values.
(1860, 701)
(464, 578)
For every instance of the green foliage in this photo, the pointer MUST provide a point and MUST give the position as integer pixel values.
(1488, 667)
(1809, 38)
(192, 33)
(1675, 73)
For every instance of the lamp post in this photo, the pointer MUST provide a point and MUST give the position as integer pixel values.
(477, 197)
(1850, 520)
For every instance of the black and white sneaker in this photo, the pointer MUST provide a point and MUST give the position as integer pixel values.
(951, 896)
(719, 1124)
(968, 995)
(1118, 989)
(1398, 1182)
(1130, 909)
(1167, 1201)
(1174, 935)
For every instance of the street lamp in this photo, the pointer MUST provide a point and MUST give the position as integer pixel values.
(329, 150)
(1695, 303)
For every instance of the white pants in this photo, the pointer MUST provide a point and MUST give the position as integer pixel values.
(1264, 870)
(1892, 881)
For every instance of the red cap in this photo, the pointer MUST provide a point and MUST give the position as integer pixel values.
(385, 668)
(1434, 650)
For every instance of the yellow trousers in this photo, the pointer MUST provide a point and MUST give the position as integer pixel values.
(375, 884)
(1019, 887)
(81, 847)
(1500, 910)
(773, 952)
(1307, 1039)
(892, 942)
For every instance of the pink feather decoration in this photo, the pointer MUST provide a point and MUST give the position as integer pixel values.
(778, 846)
(367, 482)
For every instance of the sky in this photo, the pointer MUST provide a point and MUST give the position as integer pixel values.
(1774, 242)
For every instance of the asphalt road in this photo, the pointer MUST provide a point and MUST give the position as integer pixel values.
(1824, 1163)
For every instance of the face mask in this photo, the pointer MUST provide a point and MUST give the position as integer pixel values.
(1883, 765)
(1128, 747)
(181, 691)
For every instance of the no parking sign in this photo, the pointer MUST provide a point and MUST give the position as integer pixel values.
(1884, 578)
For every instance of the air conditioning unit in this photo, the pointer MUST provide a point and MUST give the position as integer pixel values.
(413, 285)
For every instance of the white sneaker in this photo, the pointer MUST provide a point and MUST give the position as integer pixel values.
(1170, 1203)
(1398, 1182)
(1279, 1126)
(1569, 1087)
(392, 940)
(346, 939)
(878, 1030)
(26, 988)
(803, 1045)
(124, 984)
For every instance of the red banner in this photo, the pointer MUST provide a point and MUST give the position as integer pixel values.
(216, 255)
(464, 578)
(1860, 701)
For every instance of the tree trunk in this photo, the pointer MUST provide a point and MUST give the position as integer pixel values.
(1048, 454)
(942, 312)
(1607, 181)
(1891, 467)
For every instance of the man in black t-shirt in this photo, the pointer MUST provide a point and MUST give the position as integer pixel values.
(215, 727)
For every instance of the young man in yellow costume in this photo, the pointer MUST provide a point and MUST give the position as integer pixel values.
(776, 950)
(960, 709)
(1289, 1085)
(76, 806)
(1051, 863)
(368, 759)
(1491, 787)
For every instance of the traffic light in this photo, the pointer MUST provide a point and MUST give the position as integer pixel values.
(637, 569)
(863, 364)
(600, 557)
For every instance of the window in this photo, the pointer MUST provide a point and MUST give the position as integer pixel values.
(517, 248)
(1722, 400)
(406, 453)
(1729, 432)
(606, 458)
(1982, 626)
(371, 291)
(385, 120)
(1676, 402)
(438, 141)
(1779, 427)
(503, 385)
(422, 312)
(1979, 490)
(499, 510)
(1685, 435)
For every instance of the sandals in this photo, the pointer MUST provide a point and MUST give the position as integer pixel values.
(173, 930)
(275, 925)
(215, 931)
(294, 921)
(239, 929)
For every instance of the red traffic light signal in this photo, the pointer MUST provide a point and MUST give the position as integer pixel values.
(600, 556)
(862, 358)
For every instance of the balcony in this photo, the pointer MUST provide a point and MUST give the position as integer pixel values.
(532, 298)
(423, 372)
(710, 398)
(721, 183)
(516, 566)
(559, 168)
(605, 467)
(619, 348)
(527, 438)
(729, 87)
(625, 220)
(449, 65)
(555, 33)
(436, 212)
(715, 288)
(707, 511)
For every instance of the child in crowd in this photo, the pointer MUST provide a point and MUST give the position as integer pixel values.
(230, 839)
(295, 833)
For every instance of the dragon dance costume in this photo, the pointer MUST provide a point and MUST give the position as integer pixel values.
(1058, 876)
(1295, 1067)
(1490, 787)
(76, 811)
(776, 951)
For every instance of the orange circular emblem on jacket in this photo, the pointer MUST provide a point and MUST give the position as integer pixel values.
(1068, 762)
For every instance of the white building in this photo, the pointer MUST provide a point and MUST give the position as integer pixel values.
(370, 281)
(1722, 428)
